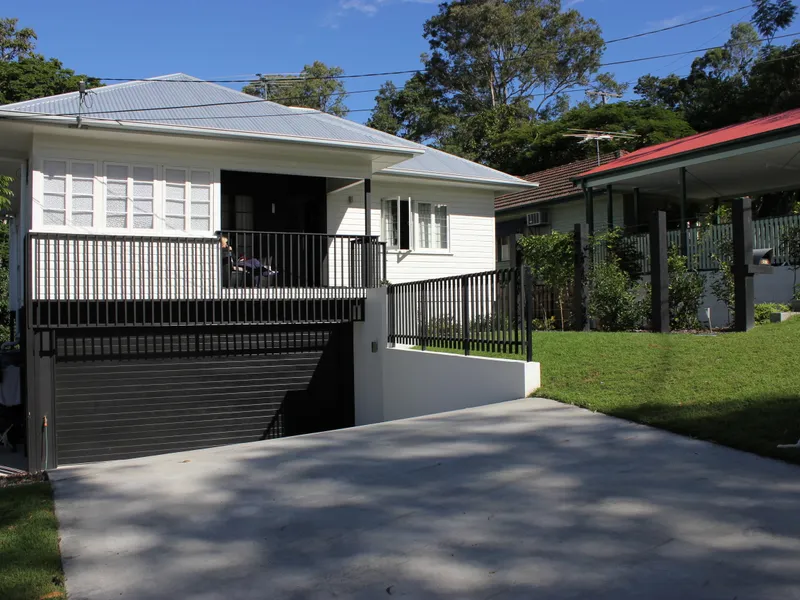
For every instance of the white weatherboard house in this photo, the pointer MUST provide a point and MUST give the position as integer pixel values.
(188, 261)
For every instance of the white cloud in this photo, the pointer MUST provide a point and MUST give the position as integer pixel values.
(367, 8)
(571, 3)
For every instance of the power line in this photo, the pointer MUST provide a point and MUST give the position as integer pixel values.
(645, 58)
(678, 26)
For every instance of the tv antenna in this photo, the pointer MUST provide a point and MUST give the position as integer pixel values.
(587, 135)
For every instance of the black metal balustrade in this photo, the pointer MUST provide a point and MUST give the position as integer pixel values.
(237, 277)
(486, 312)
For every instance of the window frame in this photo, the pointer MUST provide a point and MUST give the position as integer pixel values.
(385, 204)
(187, 199)
(97, 195)
(434, 206)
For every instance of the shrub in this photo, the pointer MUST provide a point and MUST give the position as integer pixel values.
(763, 311)
(615, 301)
(622, 250)
(551, 261)
(544, 324)
(686, 289)
(790, 240)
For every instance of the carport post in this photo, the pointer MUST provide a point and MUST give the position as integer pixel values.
(580, 294)
(590, 210)
(743, 292)
(684, 238)
(610, 207)
(659, 274)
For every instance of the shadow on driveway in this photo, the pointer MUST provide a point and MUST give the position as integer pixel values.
(527, 499)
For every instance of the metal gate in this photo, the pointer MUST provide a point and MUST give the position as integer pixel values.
(124, 396)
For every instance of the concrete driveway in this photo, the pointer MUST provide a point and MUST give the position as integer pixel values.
(528, 499)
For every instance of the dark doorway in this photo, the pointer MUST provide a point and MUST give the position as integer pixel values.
(274, 203)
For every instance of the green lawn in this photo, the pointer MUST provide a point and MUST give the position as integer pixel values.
(30, 563)
(737, 389)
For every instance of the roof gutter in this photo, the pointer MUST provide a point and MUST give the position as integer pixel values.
(675, 159)
(205, 133)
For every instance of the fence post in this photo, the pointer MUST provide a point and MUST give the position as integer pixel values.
(465, 312)
(424, 308)
(580, 295)
(659, 274)
(527, 294)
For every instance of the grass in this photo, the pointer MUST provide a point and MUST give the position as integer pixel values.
(30, 563)
(737, 389)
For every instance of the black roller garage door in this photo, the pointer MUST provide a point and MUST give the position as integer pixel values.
(138, 395)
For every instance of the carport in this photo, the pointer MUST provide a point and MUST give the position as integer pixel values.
(753, 158)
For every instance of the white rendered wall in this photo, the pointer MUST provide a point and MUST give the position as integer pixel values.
(395, 383)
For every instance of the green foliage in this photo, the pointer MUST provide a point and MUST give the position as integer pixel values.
(25, 75)
(796, 295)
(15, 43)
(5, 191)
(615, 301)
(552, 263)
(764, 311)
(790, 242)
(622, 250)
(686, 289)
(546, 324)
(745, 79)
(493, 69)
(534, 145)
(316, 87)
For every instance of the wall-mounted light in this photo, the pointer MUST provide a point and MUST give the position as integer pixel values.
(349, 199)
(273, 208)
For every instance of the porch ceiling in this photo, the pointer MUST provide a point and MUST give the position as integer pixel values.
(751, 170)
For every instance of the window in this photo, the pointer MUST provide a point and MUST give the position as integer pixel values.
(82, 189)
(144, 197)
(187, 200)
(117, 196)
(432, 226)
(504, 248)
(130, 197)
(175, 205)
(69, 189)
(397, 224)
(54, 202)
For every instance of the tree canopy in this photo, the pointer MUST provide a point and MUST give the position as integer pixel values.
(25, 75)
(315, 87)
(492, 67)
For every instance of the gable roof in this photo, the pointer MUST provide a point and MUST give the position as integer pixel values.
(554, 184)
(701, 141)
(181, 104)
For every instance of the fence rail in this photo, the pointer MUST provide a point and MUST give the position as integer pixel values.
(477, 312)
(702, 243)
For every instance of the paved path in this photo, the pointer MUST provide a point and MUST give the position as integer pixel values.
(527, 499)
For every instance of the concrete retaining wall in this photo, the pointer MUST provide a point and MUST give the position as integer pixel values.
(396, 383)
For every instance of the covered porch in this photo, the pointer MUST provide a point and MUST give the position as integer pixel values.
(690, 177)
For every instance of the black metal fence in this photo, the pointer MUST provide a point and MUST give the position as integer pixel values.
(486, 312)
(239, 277)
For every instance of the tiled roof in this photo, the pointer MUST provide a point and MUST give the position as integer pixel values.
(701, 141)
(553, 183)
(185, 104)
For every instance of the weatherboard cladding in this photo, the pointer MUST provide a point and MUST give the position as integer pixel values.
(554, 184)
(238, 112)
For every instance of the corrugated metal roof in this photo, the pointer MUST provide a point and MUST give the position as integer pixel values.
(701, 141)
(182, 101)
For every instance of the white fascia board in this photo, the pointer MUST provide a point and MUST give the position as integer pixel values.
(497, 184)
(212, 133)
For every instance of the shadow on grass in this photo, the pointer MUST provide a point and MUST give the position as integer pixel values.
(756, 425)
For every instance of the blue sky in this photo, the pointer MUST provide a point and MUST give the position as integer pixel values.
(233, 38)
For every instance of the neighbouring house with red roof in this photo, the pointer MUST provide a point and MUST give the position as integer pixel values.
(556, 205)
